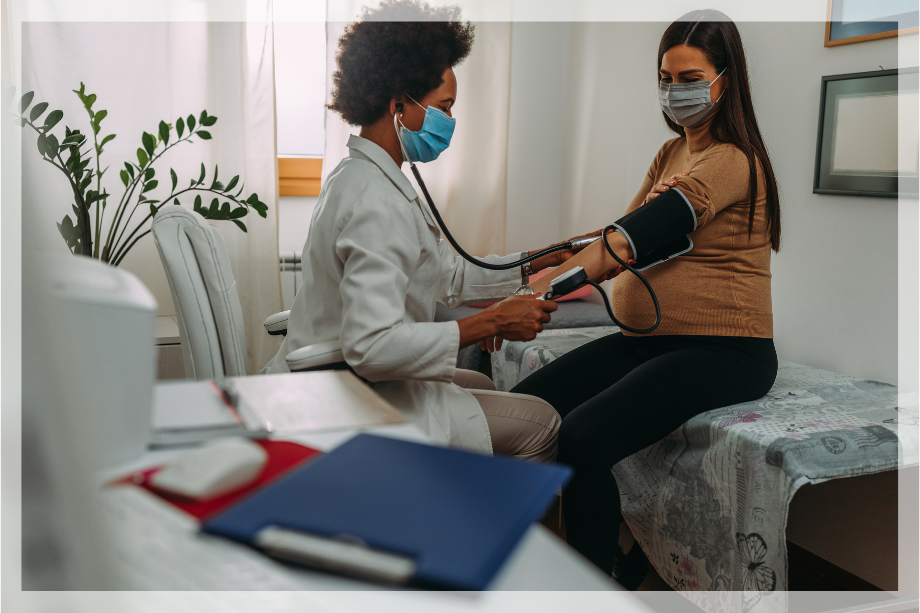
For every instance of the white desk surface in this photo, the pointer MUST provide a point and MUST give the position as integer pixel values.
(167, 330)
(159, 548)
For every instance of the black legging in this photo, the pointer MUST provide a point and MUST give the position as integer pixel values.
(618, 394)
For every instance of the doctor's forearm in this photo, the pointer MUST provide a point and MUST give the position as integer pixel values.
(593, 258)
(476, 328)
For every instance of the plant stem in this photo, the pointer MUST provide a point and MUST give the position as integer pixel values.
(122, 251)
(123, 254)
(119, 212)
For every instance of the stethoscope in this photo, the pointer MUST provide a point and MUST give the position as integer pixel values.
(564, 284)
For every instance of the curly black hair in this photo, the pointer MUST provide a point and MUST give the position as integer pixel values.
(401, 47)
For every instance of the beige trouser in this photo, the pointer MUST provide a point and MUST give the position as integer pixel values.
(521, 426)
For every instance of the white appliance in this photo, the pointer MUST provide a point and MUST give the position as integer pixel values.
(100, 322)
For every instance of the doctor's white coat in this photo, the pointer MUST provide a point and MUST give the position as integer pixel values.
(374, 267)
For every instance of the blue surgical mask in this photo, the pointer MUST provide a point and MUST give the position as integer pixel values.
(428, 143)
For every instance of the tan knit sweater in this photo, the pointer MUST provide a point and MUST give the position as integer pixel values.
(722, 286)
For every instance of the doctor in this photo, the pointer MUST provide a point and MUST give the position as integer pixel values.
(374, 264)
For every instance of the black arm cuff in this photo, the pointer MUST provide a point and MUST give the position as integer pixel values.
(658, 222)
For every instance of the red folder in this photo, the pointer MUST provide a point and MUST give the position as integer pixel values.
(282, 457)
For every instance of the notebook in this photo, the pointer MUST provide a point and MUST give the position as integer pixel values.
(188, 412)
(397, 512)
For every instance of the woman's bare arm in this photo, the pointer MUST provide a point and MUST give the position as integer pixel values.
(594, 259)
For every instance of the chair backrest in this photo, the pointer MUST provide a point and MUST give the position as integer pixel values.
(204, 291)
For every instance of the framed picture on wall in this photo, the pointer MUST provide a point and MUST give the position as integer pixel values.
(855, 21)
(863, 150)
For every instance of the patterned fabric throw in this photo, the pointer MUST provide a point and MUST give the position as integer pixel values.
(709, 502)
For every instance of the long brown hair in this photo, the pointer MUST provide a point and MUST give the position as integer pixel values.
(734, 123)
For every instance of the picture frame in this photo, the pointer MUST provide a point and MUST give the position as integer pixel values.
(856, 21)
(862, 150)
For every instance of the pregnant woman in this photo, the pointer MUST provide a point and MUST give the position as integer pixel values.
(714, 347)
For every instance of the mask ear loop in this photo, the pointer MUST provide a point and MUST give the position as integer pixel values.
(716, 79)
(396, 124)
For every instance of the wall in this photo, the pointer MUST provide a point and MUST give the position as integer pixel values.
(835, 285)
(536, 124)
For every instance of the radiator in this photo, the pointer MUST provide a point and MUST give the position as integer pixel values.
(291, 276)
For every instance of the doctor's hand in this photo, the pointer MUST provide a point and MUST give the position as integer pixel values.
(664, 186)
(517, 318)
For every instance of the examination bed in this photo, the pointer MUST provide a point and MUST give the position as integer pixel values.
(709, 503)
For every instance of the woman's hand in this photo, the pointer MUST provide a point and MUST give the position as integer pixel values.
(664, 186)
(559, 257)
(517, 318)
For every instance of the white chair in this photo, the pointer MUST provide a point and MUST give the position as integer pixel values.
(208, 307)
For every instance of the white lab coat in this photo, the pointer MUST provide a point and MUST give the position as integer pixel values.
(374, 267)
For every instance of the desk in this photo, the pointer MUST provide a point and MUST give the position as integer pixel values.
(159, 548)
(169, 349)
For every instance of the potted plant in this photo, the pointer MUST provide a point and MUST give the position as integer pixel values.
(90, 232)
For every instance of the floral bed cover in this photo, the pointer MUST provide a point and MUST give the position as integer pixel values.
(709, 502)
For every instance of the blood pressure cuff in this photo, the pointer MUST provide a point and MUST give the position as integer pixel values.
(658, 223)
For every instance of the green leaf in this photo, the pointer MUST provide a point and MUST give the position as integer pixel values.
(232, 183)
(124, 177)
(149, 173)
(106, 139)
(239, 212)
(237, 195)
(214, 180)
(97, 119)
(37, 110)
(8, 94)
(73, 139)
(180, 127)
(52, 119)
(149, 186)
(88, 102)
(153, 211)
(225, 210)
(52, 145)
(212, 210)
(191, 123)
(42, 144)
(142, 157)
(85, 182)
(239, 224)
(203, 134)
(175, 179)
(25, 101)
(149, 143)
(201, 178)
(197, 207)
(164, 132)
(209, 121)
(130, 169)
(176, 201)
(253, 198)
(202, 117)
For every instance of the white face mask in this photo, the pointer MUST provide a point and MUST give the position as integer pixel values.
(687, 104)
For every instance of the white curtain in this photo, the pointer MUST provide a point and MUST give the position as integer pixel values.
(468, 181)
(146, 72)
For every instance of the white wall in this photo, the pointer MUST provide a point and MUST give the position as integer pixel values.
(835, 280)
(536, 124)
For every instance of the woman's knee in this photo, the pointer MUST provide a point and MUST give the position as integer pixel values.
(580, 446)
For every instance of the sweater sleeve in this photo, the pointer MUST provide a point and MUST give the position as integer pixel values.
(718, 178)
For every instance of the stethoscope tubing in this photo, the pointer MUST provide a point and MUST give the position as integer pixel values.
(567, 245)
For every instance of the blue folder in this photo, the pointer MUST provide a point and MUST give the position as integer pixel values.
(445, 518)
